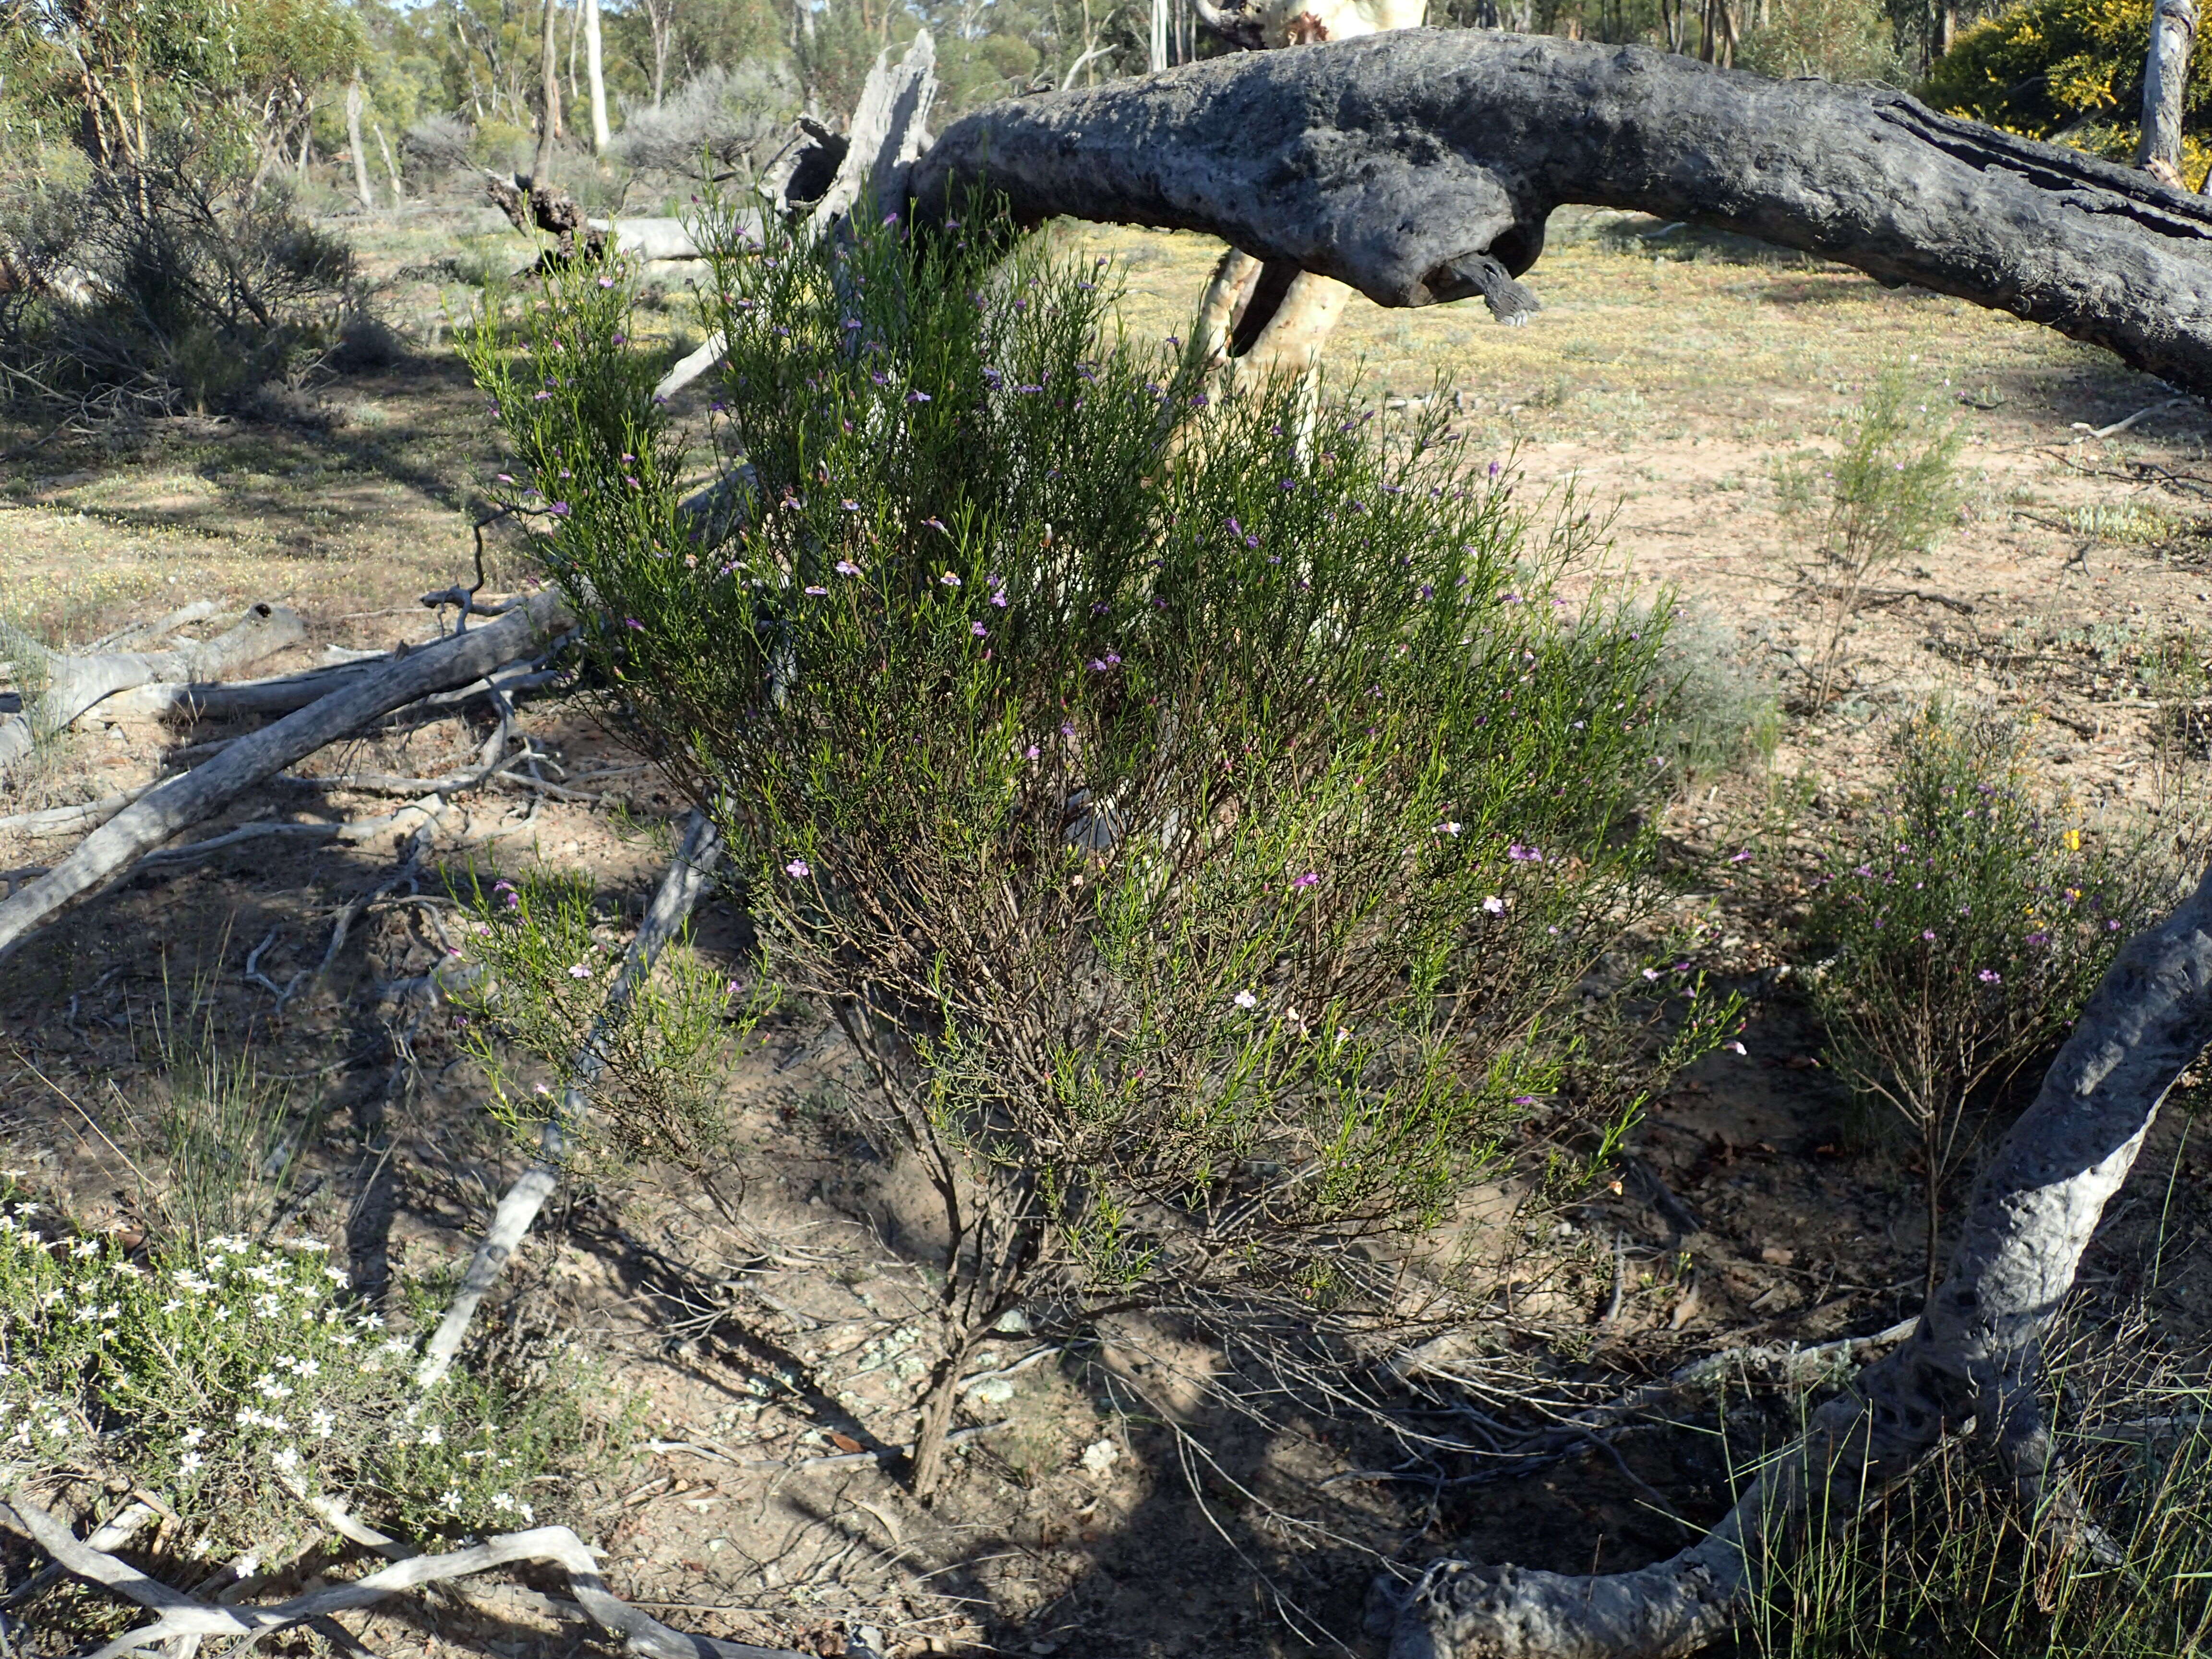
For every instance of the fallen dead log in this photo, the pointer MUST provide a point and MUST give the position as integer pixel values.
(459, 659)
(1975, 1356)
(74, 684)
(681, 888)
(182, 1615)
(1420, 167)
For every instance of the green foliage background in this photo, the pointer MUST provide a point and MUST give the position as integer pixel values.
(2067, 69)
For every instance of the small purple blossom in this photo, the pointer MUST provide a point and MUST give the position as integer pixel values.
(846, 568)
(1990, 976)
(1308, 879)
(632, 622)
(817, 591)
(1521, 854)
(799, 869)
(978, 630)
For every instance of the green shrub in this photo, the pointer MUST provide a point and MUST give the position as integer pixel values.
(1843, 40)
(1889, 492)
(650, 1076)
(1206, 855)
(232, 1380)
(2070, 70)
(1967, 923)
(165, 286)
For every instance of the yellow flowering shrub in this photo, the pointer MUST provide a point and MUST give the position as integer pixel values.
(2069, 70)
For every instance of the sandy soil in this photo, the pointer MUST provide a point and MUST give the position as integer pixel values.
(765, 1318)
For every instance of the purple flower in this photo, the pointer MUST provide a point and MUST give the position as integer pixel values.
(503, 478)
(998, 598)
(2039, 938)
(1521, 854)
(917, 396)
(1032, 751)
(1246, 1000)
(1991, 976)
(1743, 857)
(797, 869)
(1308, 879)
(578, 970)
(559, 509)
(846, 568)
(949, 579)
(817, 591)
(850, 507)
(978, 630)
(1928, 933)
(1494, 905)
(632, 622)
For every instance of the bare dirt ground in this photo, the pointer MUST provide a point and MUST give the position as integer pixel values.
(762, 1329)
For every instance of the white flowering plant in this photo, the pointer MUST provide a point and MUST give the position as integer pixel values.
(233, 1382)
(1208, 844)
(532, 1022)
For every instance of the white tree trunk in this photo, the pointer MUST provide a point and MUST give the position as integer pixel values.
(595, 75)
(2165, 75)
(398, 190)
(549, 116)
(360, 150)
(1156, 57)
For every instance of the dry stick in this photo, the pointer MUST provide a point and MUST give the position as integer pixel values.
(888, 133)
(688, 873)
(116, 845)
(189, 1616)
(75, 684)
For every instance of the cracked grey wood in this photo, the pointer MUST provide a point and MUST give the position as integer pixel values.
(1391, 162)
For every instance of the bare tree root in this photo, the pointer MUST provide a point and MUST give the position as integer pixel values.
(75, 683)
(1975, 1354)
(189, 1617)
(459, 659)
(688, 873)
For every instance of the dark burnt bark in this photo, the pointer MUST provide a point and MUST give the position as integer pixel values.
(1397, 162)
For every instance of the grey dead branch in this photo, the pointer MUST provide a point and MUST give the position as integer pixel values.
(1435, 187)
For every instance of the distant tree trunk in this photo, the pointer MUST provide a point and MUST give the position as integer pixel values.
(549, 116)
(663, 28)
(398, 190)
(361, 185)
(576, 28)
(596, 76)
(1157, 54)
(2166, 74)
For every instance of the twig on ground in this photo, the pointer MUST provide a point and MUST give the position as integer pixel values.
(75, 683)
(680, 889)
(2120, 426)
(198, 795)
(187, 1616)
